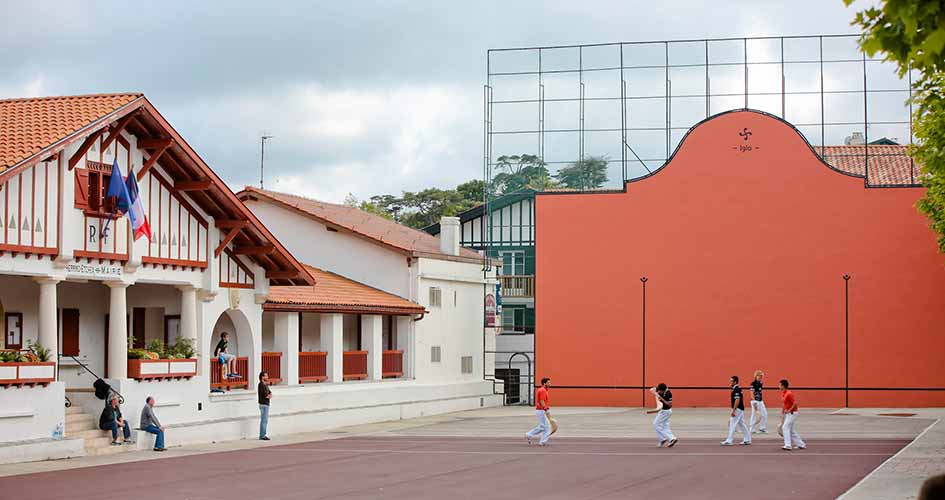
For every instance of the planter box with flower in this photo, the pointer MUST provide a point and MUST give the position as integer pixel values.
(161, 362)
(30, 367)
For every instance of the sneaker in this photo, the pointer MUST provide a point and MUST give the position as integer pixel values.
(725, 443)
(542, 444)
(672, 442)
(755, 432)
(264, 438)
(802, 447)
(116, 443)
(662, 442)
(746, 443)
(785, 448)
(128, 442)
(528, 439)
(160, 449)
(763, 431)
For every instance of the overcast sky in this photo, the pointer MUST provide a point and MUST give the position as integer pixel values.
(362, 97)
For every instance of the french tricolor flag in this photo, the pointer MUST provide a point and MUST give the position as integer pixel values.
(128, 200)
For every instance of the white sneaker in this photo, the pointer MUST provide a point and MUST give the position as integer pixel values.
(785, 448)
(763, 431)
(725, 443)
(746, 443)
(801, 447)
(528, 439)
(662, 443)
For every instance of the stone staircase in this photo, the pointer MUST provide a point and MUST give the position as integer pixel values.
(80, 424)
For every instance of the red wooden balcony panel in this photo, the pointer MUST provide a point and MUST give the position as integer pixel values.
(272, 364)
(355, 365)
(312, 367)
(219, 381)
(392, 364)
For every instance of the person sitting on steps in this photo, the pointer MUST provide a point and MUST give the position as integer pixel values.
(111, 420)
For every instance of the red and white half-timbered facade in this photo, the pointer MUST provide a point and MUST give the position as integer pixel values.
(75, 280)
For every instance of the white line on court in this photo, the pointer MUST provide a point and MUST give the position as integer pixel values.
(516, 441)
(578, 453)
(904, 448)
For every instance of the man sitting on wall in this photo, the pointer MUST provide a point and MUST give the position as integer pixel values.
(111, 420)
(150, 423)
(226, 359)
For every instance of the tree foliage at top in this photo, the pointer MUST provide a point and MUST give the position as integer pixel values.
(911, 33)
(589, 173)
(518, 172)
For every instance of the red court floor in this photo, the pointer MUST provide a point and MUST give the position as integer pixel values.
(490, 468)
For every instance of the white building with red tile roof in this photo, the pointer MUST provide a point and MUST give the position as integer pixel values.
(450, 282)
(74, 279)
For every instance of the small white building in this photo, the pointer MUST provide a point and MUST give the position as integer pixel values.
(449, 281)
(74, 279)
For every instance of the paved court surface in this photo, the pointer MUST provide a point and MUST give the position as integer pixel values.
(600, 453)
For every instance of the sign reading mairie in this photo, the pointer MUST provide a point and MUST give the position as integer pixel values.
(94, 270)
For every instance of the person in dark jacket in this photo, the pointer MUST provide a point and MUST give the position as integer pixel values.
(111, 420)
(265, 394)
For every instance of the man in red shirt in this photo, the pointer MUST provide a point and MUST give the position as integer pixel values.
(788, 417)
(541, 410)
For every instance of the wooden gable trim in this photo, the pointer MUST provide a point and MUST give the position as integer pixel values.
(115, 132)
(244, 267)
(226, 240)
(84, 148)
(153, 158)
(183, 202)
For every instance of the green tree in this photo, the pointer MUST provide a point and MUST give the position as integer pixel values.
(589, 173)
(911, 33)
(368, 206)
(517, 172)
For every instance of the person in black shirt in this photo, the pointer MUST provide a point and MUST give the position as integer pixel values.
(758, 404)
(737, 419)
(262, 390)
(226, 359)
(111, 420)
(664, 410)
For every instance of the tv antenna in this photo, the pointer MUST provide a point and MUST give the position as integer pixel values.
(262, 157)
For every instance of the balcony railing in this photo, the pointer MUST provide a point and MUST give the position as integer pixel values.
(355, 365)
(392, 364)
(272, 364)
(219, 381)
(312, 367)
(518, 286)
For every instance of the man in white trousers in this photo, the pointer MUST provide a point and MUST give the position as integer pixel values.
(664, 400)
(541, 410)
(758, 404)
(737, 419)
(789, 418)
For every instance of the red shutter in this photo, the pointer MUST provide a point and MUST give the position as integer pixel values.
(70, 332)
(81, 188)
(95, 191)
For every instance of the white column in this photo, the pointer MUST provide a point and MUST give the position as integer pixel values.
(406, 342)
(48, 331)
(286, 341)
(372, 336)
(117, 330)
(332, 336)
(188, 312)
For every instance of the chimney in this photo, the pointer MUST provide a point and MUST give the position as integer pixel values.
(449, 235)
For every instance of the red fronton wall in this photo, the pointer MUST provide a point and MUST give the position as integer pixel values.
(745, 252)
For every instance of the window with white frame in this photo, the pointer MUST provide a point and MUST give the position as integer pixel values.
(513, 263)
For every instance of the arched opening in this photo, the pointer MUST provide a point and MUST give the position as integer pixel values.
(238, 373)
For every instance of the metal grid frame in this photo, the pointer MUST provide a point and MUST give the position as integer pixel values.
(626, 64)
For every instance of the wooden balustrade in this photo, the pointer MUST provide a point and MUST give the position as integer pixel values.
(27, 374)
(392, 364)
(518, 286)
(219, 381)
(162, 369)
(312, 367)
(354, 366)
(272, 364)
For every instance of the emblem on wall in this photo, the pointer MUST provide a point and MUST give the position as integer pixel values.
(234, 296)
(745, 145)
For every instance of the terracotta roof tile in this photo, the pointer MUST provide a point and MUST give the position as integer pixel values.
(369, 225)
(335, 293)
(27, 126)
(889, 165)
